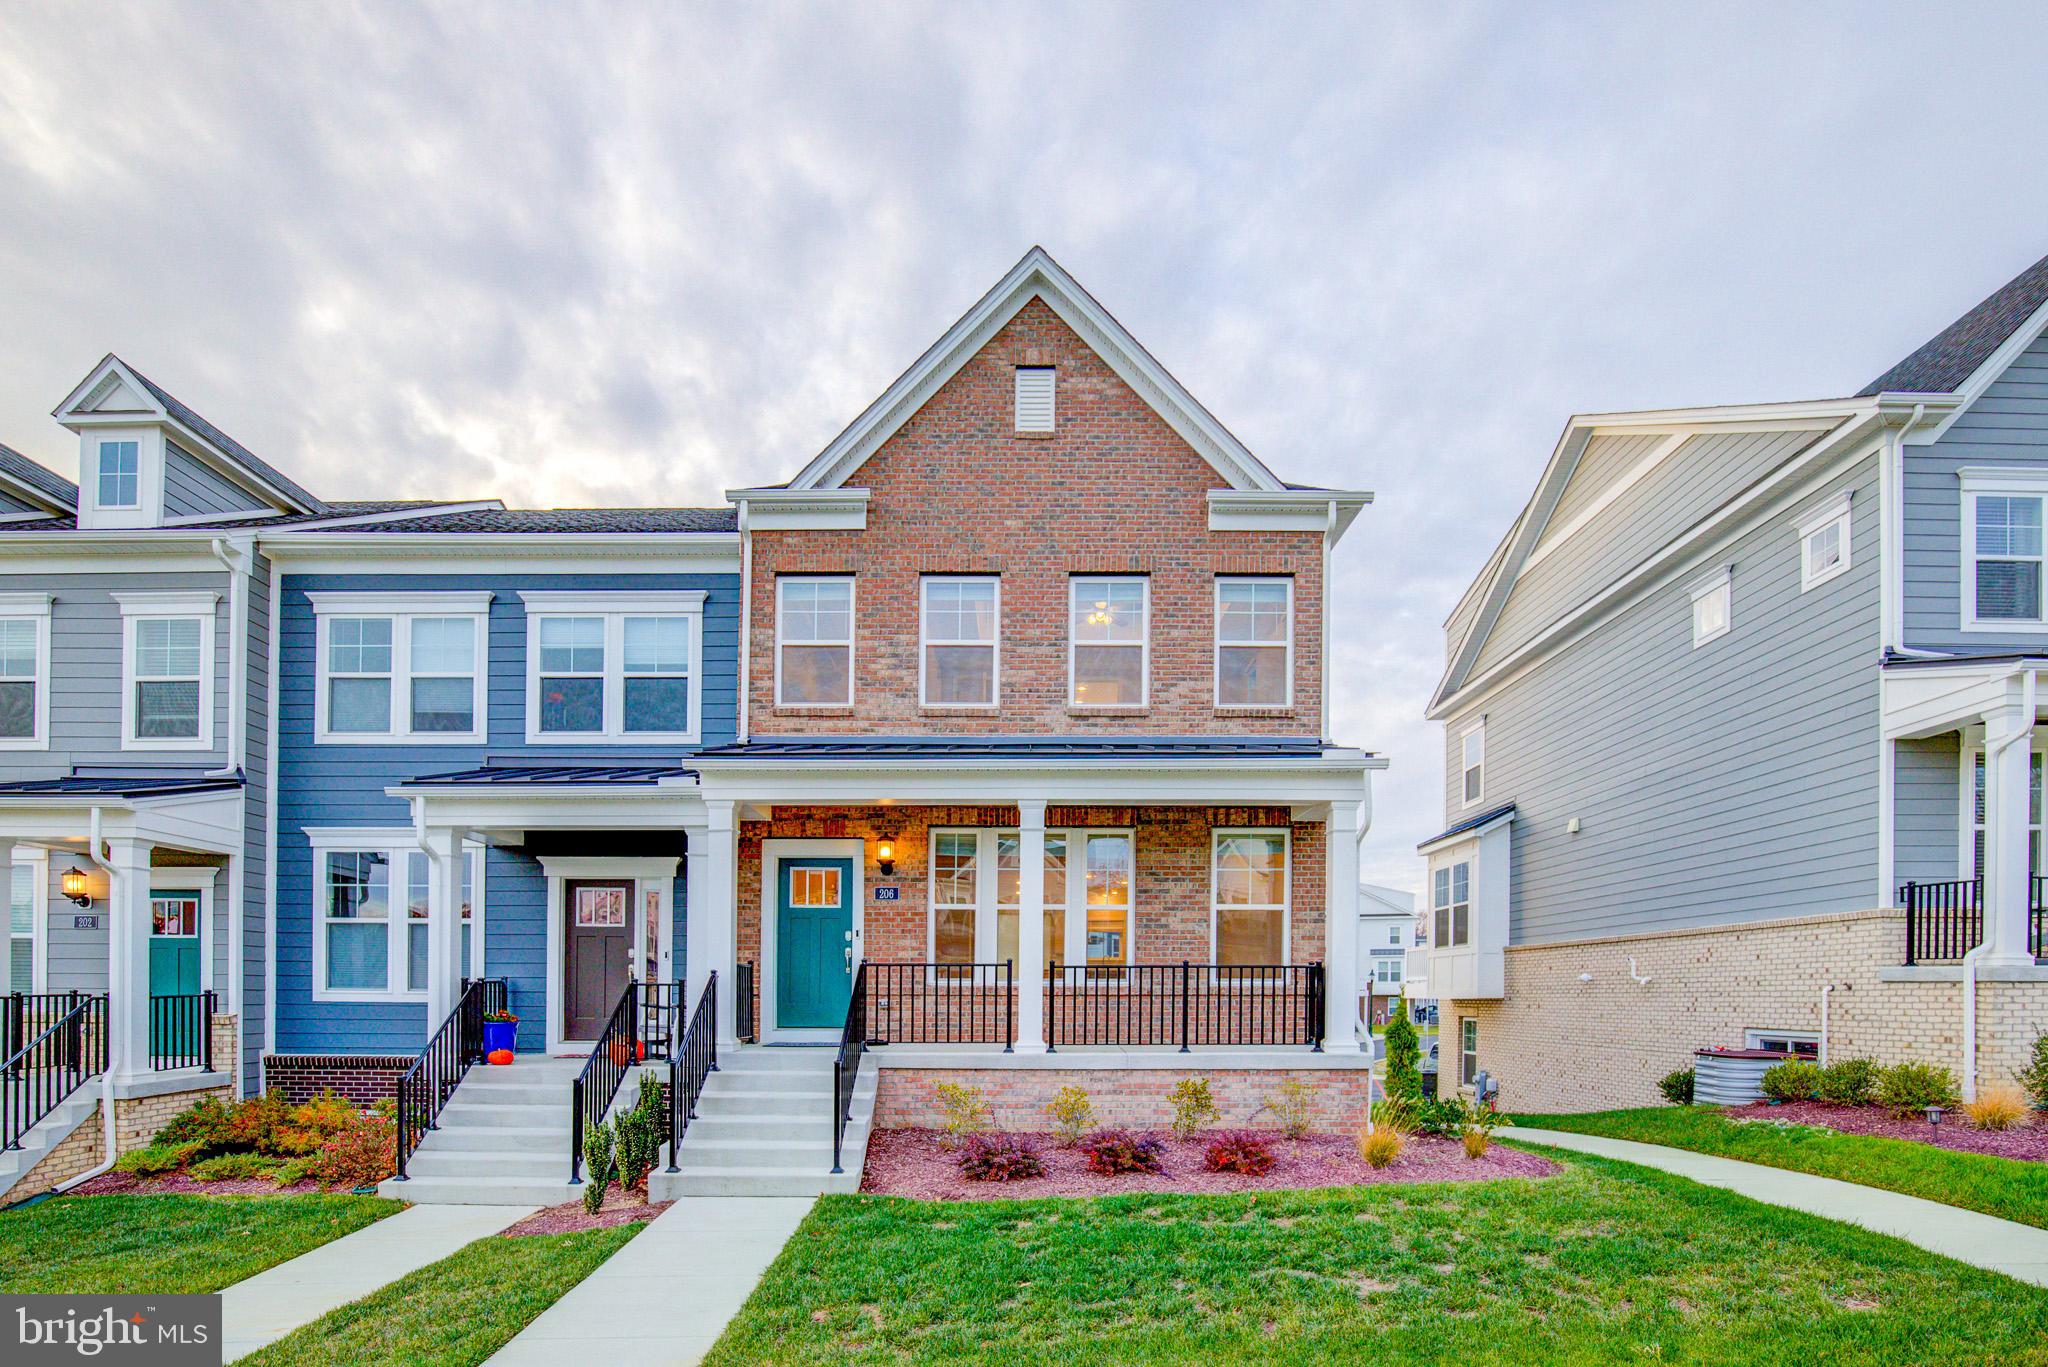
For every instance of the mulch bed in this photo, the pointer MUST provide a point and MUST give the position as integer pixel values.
(1954, 1132)
(178, 1184)
(571, 1218)
(911, 1162)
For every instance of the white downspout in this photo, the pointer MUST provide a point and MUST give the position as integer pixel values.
(1826, 988)
(235, 559)
(2028, 683)
(109, 1135)
(1893, 472)
(746, 616)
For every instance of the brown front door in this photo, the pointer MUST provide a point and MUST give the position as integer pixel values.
(594, 968)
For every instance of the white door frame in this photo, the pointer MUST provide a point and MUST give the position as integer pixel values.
(202, 881)
(773, 852)
(656, 874)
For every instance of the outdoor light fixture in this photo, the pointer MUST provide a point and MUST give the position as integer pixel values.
(885, 856)
(73, 883)
(1934, 1115)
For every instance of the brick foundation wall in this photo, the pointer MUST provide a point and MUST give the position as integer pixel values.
(1134, 1097)
(360, 1079)
(1559, 1045)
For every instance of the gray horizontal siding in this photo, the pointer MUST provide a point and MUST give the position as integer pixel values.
(192, 488)
(1926, 807)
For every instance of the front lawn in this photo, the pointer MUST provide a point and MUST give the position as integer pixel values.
(1605, 1262)
(2010, 1188)
(111, 1245)
(459, 1310)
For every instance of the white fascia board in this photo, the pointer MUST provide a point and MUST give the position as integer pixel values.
(1719, 417)
(70, 415)
(20, 488)
(652, 808)
(1116, 783)
(1467, 837)
(1930, 700)
(778, 510)
(1286, 510)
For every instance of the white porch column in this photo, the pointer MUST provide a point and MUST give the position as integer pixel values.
(710, 921)
(1030, 926)
(1340, 927)
(128, 958)
(2008, 732)
(444, 921)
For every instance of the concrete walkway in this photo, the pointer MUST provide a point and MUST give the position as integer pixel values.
(663, 1299)
(272, 1303)
(2018, 1251)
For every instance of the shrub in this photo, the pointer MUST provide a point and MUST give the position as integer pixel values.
(292, 1171)
(1111, 1152)
(965, 1110)
(999, 1158)
(206, 1122)
(1997, 1108)
(1293, 1104)
(637, 1135)
(1072, 1113)
(1193, 1107)
(1849, 1083)
(233, 1167)
(360, 1155)
(1381, 1147)
(1792, 1080)
(597, 1161)
(1475, 1141)
(1677, 1086)
(309, 1126)
(2034, 1077)
(1444, 1118)
(1905, 1088)
(1404, 1054)
(1393, 1114)
(154, 1160)
(1241, 1151)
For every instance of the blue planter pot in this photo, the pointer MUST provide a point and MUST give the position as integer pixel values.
(499, 1035)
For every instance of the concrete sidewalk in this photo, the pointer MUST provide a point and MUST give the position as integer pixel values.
(272, 1303)
(663, 1299)
(2018, 1251)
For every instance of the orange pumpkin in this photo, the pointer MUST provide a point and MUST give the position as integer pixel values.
(500, 1057)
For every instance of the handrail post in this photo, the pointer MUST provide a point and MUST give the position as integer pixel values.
(1318, 989)
(1183, 1006)
(576, 1133)
(1009, 1006)
(206, 1029)
(1912, 918)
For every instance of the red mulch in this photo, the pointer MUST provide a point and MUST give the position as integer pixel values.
(573, 1219)
(178, 1184)
(1954, 1132)
(911, 1163)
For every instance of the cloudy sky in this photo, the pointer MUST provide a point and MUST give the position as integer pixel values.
(641, 253)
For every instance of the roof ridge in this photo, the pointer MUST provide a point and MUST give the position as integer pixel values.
(1944, 361)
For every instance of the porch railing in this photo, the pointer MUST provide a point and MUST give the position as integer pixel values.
(929, 1003)
(424, 1088)
(743, 1002)
(693, 1061)
(1945, 920)
(51, 1064)
(616, 1051)
(1185, 1004)
(25, 1015)
(853, 1042)
(181, 1031)
(661, 1017)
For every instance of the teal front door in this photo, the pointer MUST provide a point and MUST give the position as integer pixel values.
(813, 943)
(174, 972)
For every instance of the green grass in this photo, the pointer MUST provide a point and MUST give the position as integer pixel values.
(1603, 1263)
(2010, 1188)
(459, 1310)
(81, 1245)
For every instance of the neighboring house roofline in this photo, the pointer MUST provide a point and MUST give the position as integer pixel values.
(31, 482)
(1470, 828)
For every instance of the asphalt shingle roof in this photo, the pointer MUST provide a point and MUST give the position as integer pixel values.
(1471, 823)
(1942, 364)
(55, 486)
(604, 521)
(222, 440)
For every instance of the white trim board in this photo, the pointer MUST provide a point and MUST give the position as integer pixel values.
(658, 870)
(773, 852)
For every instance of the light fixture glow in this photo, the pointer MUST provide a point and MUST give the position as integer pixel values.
(885, 856)
(73, 884)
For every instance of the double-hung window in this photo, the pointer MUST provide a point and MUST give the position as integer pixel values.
(1386, 972)
(2002, 549)
(370, 900)
(119, 474)
(167, 669)
(1472, 765)
(961, 617)
(1451, 904)
(814, 641)
(614, 668)
(1249, 897)
(1108, 640)
(24, 670)
(1254, 642)
(1468, 1051)
(401, 667)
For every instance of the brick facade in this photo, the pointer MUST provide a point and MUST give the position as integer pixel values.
(1559, 1045)
(1114, 490)
(360, 1079)
(1132, 1097)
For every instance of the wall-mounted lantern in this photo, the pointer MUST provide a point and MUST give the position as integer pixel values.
(74, 885)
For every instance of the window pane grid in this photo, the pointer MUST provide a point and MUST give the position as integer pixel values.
(1107, 629)
(2008, 557)
(814, 628)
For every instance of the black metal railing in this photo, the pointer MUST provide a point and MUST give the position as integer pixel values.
(853, 1042)
(1944, 920)
(743, 1002)
(24, 1015)
(424, 1088)
(2037, 916)
(929, 1003)
(1185, 1004)
(661, 1017)
(693, 1061)
(181, 1031)
(51, 1064)
(611, 1058)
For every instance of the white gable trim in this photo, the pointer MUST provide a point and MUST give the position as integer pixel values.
(1984, 376)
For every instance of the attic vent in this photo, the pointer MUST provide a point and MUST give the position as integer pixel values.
(1034, 398)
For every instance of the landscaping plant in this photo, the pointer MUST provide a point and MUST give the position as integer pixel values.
(1381, 1147)
(362, 1154)
(1404, 1054)
(2034, 1077)
(206, 1126)
(637, 1135)
(1904, 1088)
(1392, 1113)
(1293, 1104)
(1677, 1086)
(1444, 1118)
(999, 1158)
(1792, 1080)
(597, 1160)
(1851, 1082)
(1240, 1151)
(154, 1160)
(1193, 1107)
(1072, 1114)
(1478, 1132)
(1997, 1108)
(1111, 1152)
(233, 1167)
(966, 1112)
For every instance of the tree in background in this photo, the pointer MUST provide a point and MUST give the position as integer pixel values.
(1404, 1054)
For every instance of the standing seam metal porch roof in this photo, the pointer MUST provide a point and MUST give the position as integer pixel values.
(551, 775)
(798, 748)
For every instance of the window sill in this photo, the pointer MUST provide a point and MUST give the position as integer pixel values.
(812, 709)
(1225, 710)
(966, 709)
(1034, 436)
(1115, 710)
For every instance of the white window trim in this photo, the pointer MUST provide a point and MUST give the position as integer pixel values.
(614, 609)
(924, 643)
(1216, 651)
(1468, 1025)
(176, 603)
(1834, 512)
(986, 905)
(1450, 865)
(1217, 834)
(401, 608)
(395, 846)
(1478, 729)
(1720, 581)
(1144, 644)
(2012, 482)
(1052, 399)
(852, 639)
(33, 607)
(99, 445)
(36, 859)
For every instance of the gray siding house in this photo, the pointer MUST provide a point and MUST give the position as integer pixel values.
(1740, 736)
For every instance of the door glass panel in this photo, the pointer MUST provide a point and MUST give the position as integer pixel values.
(600, 908)
(814, 887)
(174, 916)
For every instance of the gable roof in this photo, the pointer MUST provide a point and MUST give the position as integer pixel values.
(34, 484)
(1946, 361)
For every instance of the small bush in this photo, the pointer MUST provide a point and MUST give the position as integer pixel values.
(1293, 1104)
(362, 1155)
(1475, 1141)
(1852, 1082)
(1111, 1152)
(1404, 1054)
(309, 1126)
(966, 1112)
(1905, 1088)
(1193, 1107)
(1241, 1151)
(292, 1171)
(1792, 1080)
(637, 1135)
(1444, 1118)
(1997, 1108)
(1677, 1086)
(154, 1160)
(597, 1162)
(999, 1158)
(1381, 1147)
(207, 1123)
(1072, 1114)
(1393, 1114)
(233, 1167)
(2034, 1077)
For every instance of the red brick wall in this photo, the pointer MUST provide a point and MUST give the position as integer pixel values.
(1133, 1097)
(1114, 490)
(361, 1079)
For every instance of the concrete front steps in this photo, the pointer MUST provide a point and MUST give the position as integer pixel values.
(502, 1140)
(764, 1128)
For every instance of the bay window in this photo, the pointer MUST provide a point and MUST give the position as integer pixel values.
(615, 668)
(960, 618)
(400, 667)
(1451, 904)
(1108, 641)
(1254, 642)
(814, 642)
(1249, 897)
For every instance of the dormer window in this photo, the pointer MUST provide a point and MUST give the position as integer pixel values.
(120, 474)
(1035, 398)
